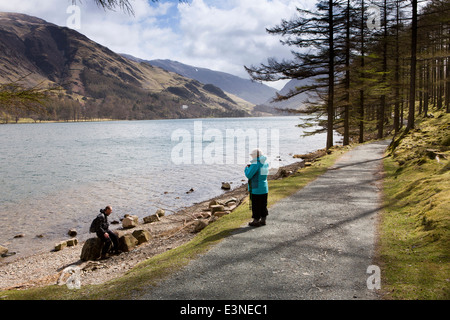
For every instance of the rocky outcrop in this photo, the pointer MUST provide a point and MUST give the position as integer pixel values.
(226, 186)
(72, 232)
(220, 214)
(199, 225)
(72, 242)
(127, 243)
(216, 208)
(130, 221)
(142, 236)
(160, 213)
(155, 217)
(3, 250)
(92, 249)
(67, 243)
(151, 219)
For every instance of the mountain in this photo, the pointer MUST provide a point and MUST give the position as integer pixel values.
(248, 90)
(297, 102)
(98, 83)
(257, 93)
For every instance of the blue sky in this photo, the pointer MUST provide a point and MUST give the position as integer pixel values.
(222, 35)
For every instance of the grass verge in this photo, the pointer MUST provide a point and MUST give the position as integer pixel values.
(153, 270)
(415, 226)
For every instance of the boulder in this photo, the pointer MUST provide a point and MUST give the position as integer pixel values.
(213, 219)
(142, 236)
(220, 214)
(3, 250)
(60, 246)
(283, 173)
(152, 218)
(7, 254)
(213, 203)
(119, 233)
(160, 213)
(231, 200)
(127, 243)
(72, 233)
(232, 205)
(72, 242)
(226, 186)
(198, 215)
(204, 215)
(217, 207)
(199, 225)
(130, 222)
(92, 249)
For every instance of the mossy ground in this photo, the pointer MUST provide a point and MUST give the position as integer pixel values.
(415, 228)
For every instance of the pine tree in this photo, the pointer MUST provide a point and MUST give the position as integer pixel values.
(312, 33)
(412, 90)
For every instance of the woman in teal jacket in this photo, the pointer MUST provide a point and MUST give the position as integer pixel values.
(256, 173)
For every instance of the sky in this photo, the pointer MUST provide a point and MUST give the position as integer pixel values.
(222, 35)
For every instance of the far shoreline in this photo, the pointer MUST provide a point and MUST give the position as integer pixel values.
(31, 121)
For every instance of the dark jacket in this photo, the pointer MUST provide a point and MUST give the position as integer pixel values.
(100, 224)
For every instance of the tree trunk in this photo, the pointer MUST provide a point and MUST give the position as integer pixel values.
(382, 107)
(330, 108)
(412, 92)
(361, 91)
(346, 140)
(397, 72)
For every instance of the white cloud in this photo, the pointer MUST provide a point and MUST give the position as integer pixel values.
(52, 10)
(215, 34)
(228, 38)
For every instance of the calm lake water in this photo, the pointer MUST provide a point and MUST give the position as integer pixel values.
(57, 176)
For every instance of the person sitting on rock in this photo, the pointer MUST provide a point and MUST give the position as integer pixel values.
(100, 226)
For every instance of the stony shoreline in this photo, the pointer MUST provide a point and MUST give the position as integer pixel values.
(170, 232)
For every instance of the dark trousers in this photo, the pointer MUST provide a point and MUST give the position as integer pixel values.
(259, 206)
(113, 240)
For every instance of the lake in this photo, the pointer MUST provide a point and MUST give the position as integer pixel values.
(57, 176)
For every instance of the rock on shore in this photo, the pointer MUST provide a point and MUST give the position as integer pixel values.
(3, 250)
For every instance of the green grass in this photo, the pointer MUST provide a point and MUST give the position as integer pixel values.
(155, 269)
(415, 226)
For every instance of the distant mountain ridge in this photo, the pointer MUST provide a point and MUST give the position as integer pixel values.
(99, 83)
(248, 90)
(257, 93)
(297, 102)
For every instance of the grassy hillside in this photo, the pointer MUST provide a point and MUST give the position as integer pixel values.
(415, 228)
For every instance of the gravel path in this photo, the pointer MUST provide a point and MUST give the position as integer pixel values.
(318, 243)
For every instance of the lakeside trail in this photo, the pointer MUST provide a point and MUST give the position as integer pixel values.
(317, 244)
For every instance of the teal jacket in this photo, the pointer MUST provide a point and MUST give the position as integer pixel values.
(257, 174)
